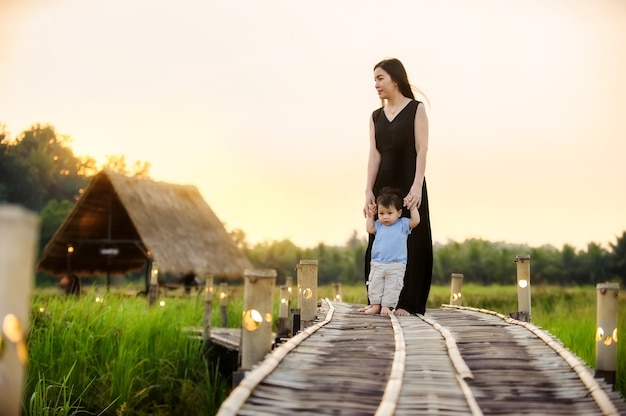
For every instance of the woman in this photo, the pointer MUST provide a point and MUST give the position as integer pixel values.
(397, 158)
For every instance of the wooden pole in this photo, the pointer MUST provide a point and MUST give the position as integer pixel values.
(223, 304)
(456, 284)
(256, 331)
(307, 291)
(289, 284)
(154, 283)
(337, 292)
(523, 287)
(606, 331)
(208, 308)
(19, 231)
(283, 326)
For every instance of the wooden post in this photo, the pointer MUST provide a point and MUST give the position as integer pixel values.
(456, 284)
(523, 288)
(307, 291)
(606, 331)
(208, 308)
(256, 331)
(153, 293)
(337, 292)
(223, 304)
(282, 324)
(19, 231)
(289, 284)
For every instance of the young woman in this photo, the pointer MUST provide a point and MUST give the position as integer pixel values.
(397, 158)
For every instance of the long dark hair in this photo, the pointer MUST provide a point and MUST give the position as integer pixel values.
(398, 74)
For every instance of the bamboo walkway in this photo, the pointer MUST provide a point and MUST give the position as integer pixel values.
(453, 361)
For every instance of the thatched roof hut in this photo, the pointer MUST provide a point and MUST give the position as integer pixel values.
(120, 222)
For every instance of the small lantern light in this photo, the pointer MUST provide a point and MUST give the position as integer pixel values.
(256, 333)
(606, 331)
(70, 249)
(337, 292)
(523, 287)
(456, 284)
(307, 291)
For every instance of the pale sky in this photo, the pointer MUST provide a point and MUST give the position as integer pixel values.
(264, 106)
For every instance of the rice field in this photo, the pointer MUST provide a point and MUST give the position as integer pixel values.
(113, 354)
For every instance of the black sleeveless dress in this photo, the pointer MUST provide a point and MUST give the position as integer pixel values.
(395, 140)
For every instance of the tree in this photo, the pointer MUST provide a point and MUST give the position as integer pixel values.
(617, 258)
(39, 166)
(594, 264)
(282, 256)
(118, 164)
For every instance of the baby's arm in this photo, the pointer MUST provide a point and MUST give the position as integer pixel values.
(369, 222)
(415, 218)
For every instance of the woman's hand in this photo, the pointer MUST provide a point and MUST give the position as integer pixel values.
(413, 198)
(370, 203)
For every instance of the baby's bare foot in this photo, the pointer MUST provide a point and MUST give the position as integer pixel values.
(385, 311)
(374, 310)
(363, 309)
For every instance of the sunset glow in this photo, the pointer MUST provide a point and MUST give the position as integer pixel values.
(264, 106)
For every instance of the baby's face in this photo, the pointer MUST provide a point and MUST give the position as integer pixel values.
(388, 215)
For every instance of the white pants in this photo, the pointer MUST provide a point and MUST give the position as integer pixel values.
(385, 283)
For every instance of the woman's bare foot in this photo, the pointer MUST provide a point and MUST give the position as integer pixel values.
(385, 311)
(373, 310)
(401, 312)
(363, 309)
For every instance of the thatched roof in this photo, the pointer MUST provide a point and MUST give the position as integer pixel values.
(140, 218)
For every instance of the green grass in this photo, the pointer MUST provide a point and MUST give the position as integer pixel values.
(124, 357)
(118, 355)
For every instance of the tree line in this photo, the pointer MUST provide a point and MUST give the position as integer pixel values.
(480, 261)
(38, 170)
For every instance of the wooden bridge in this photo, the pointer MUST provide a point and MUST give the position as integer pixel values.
(452, 361)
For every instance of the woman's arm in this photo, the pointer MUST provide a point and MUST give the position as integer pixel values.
(414, 197)
(373, 164)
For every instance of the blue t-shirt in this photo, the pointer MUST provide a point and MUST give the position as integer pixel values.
(390, 242)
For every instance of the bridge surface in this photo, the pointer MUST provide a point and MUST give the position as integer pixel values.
(452, 361)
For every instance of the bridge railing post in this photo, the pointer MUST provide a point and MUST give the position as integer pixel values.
(337, 292)
(153, 291)
(606, 331)
(208, 308)
(283, 328)
(256, 331)
(523, 288)
(223, 304)
(19, 230)
(307, 291)
(456, 284)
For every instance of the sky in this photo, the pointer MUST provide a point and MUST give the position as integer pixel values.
(265, 106)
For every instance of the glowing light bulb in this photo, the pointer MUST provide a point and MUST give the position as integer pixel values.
(12, 328)
(252, 319)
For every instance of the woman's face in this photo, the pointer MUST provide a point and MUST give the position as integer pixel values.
(385, 86)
